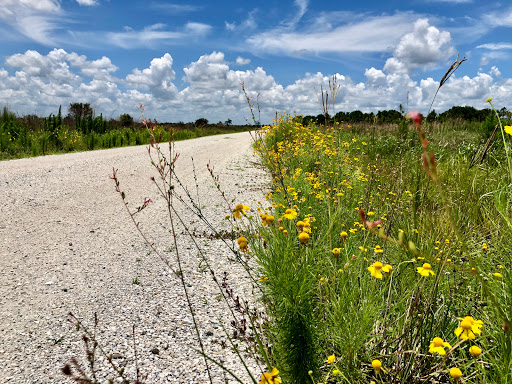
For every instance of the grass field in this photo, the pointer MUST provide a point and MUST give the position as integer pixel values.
(379, 266)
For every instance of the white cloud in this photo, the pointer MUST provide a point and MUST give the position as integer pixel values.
(87, 2)
(370, 34)
(158, 78)
(495, 46)
(241, 61)
(424, 47)
(34, 19)
(499, 19)
(495, 71)
(155, 34)
(36, 83)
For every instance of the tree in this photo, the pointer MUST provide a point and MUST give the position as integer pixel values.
(80, 112)
(201, 122)
(228, 122)
(126, 120)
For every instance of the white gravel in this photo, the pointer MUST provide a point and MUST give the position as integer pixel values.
(67, 244)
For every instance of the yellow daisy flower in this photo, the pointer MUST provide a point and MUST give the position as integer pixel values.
(468, 328)
(425, 270)
(437, 346)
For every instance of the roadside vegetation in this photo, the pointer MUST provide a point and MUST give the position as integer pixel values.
(387, 257)
(81, 130)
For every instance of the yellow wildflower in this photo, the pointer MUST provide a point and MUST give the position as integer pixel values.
(304, 237)
(468, 328)
(331, 359)
(344, 235)
(270, 378)
(425, 270)
(242, 243)
(336, 252)
(484, 246)
(437, 346)
(335, 372)
(488, 100)
(455, 373)
(508, 129)
(290, 214)
(377, 366)
(378, 249)
(475, 351)
(377, 268)
(240, 208)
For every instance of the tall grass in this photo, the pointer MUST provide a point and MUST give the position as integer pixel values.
(397, 253)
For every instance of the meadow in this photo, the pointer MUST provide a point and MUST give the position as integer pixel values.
(384, 252)
(30, 136)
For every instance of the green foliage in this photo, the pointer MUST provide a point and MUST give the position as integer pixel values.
(457, 223)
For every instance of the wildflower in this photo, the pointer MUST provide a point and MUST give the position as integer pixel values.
(344, 235)
(300, 225)
(508, 129)
(270, 378)
(497, 274)
(488, 100)
(475, 351)
(336, 252)
(484, 246)
(335, 372)
(242, 243)
(304, 237)
(285, 232)
(270, 219)
(331, 359)
(290, 214)
(240, 208)
(377, 268)
(377, 366)
(455, 373)
(425, 270)
(437, 346)
(468, 328)
(378, 249)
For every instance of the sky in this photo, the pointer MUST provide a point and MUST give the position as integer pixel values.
(187, 60)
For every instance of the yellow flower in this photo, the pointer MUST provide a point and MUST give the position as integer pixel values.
(455, 373)
(300, 225)
(475, 351)
(496, 274)
(240, 208)
(437, 346)
(378, 249)
(377, 366)
(484, 246)
(377, 268)
(425, 270)
(335, 372)
(290, 214)
(344, 235)
(336, 252)
(508, 129)
(304, 237)
(331, 359)
(488, 100)
(270, 378)
(468, 328)
(270, 219)
(242, 243)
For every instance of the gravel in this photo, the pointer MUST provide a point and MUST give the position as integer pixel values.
(68, 245)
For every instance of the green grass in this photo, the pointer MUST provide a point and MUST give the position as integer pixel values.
(322, 304)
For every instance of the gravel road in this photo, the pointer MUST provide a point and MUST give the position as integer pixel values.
(67, 244)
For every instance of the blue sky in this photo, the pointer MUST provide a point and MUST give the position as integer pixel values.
(185, 60)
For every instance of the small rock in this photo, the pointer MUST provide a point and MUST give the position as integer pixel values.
(155, 351)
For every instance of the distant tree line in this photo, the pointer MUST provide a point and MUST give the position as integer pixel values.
(469, 114)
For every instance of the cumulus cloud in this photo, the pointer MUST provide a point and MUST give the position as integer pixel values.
(35, 83)
(158, 78)
(241, 61)
(422, 48)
